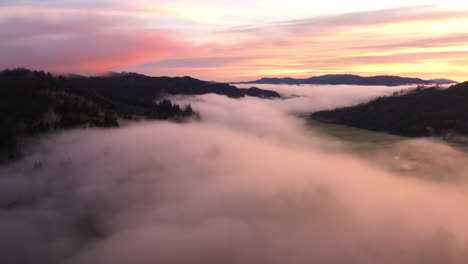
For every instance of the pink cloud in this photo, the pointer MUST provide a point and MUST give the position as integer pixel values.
(85, 44)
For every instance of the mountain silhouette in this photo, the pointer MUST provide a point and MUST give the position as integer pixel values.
(349, 79)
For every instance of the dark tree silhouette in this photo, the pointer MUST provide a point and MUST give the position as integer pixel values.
(424, 112)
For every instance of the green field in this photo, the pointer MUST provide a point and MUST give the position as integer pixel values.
(355, 135)
(417, 157)
(366, 138)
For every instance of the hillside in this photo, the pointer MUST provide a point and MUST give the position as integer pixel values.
(428, 112)
(32, 102)
(157, 86)
(349, 79)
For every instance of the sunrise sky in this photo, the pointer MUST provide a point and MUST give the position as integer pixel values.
(228, 40)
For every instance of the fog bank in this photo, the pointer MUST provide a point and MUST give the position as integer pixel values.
(250, 183)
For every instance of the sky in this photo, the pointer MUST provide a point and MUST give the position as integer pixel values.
(238, 40)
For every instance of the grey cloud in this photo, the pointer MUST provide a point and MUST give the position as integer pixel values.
(194, 62)
(80, 43)
(364, 18)
(59, 3)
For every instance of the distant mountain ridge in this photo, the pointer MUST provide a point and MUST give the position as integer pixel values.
(350, 79)
(442, 81)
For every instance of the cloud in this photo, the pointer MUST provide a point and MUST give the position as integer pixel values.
(325, 23)
(248, 184)
(422, 41)
(410, 57)
(443, 41)
(85, 43)
(196, 38)
(193, 62)
(371, 18)
(59, 3)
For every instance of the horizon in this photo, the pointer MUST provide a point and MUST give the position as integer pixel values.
(232, 42)
(231, 82)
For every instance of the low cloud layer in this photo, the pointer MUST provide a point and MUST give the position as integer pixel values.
(310, 98)
(250, 183)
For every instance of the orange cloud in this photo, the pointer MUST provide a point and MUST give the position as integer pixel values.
(417, 41)
(404, 41)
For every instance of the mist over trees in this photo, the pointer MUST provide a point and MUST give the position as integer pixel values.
(32, 102)
(247, 184)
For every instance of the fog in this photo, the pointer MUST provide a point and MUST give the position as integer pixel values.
(308, 98)
(249, 183)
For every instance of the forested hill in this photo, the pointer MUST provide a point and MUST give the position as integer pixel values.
(428, 112)
(35, 101)
(154, 86)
